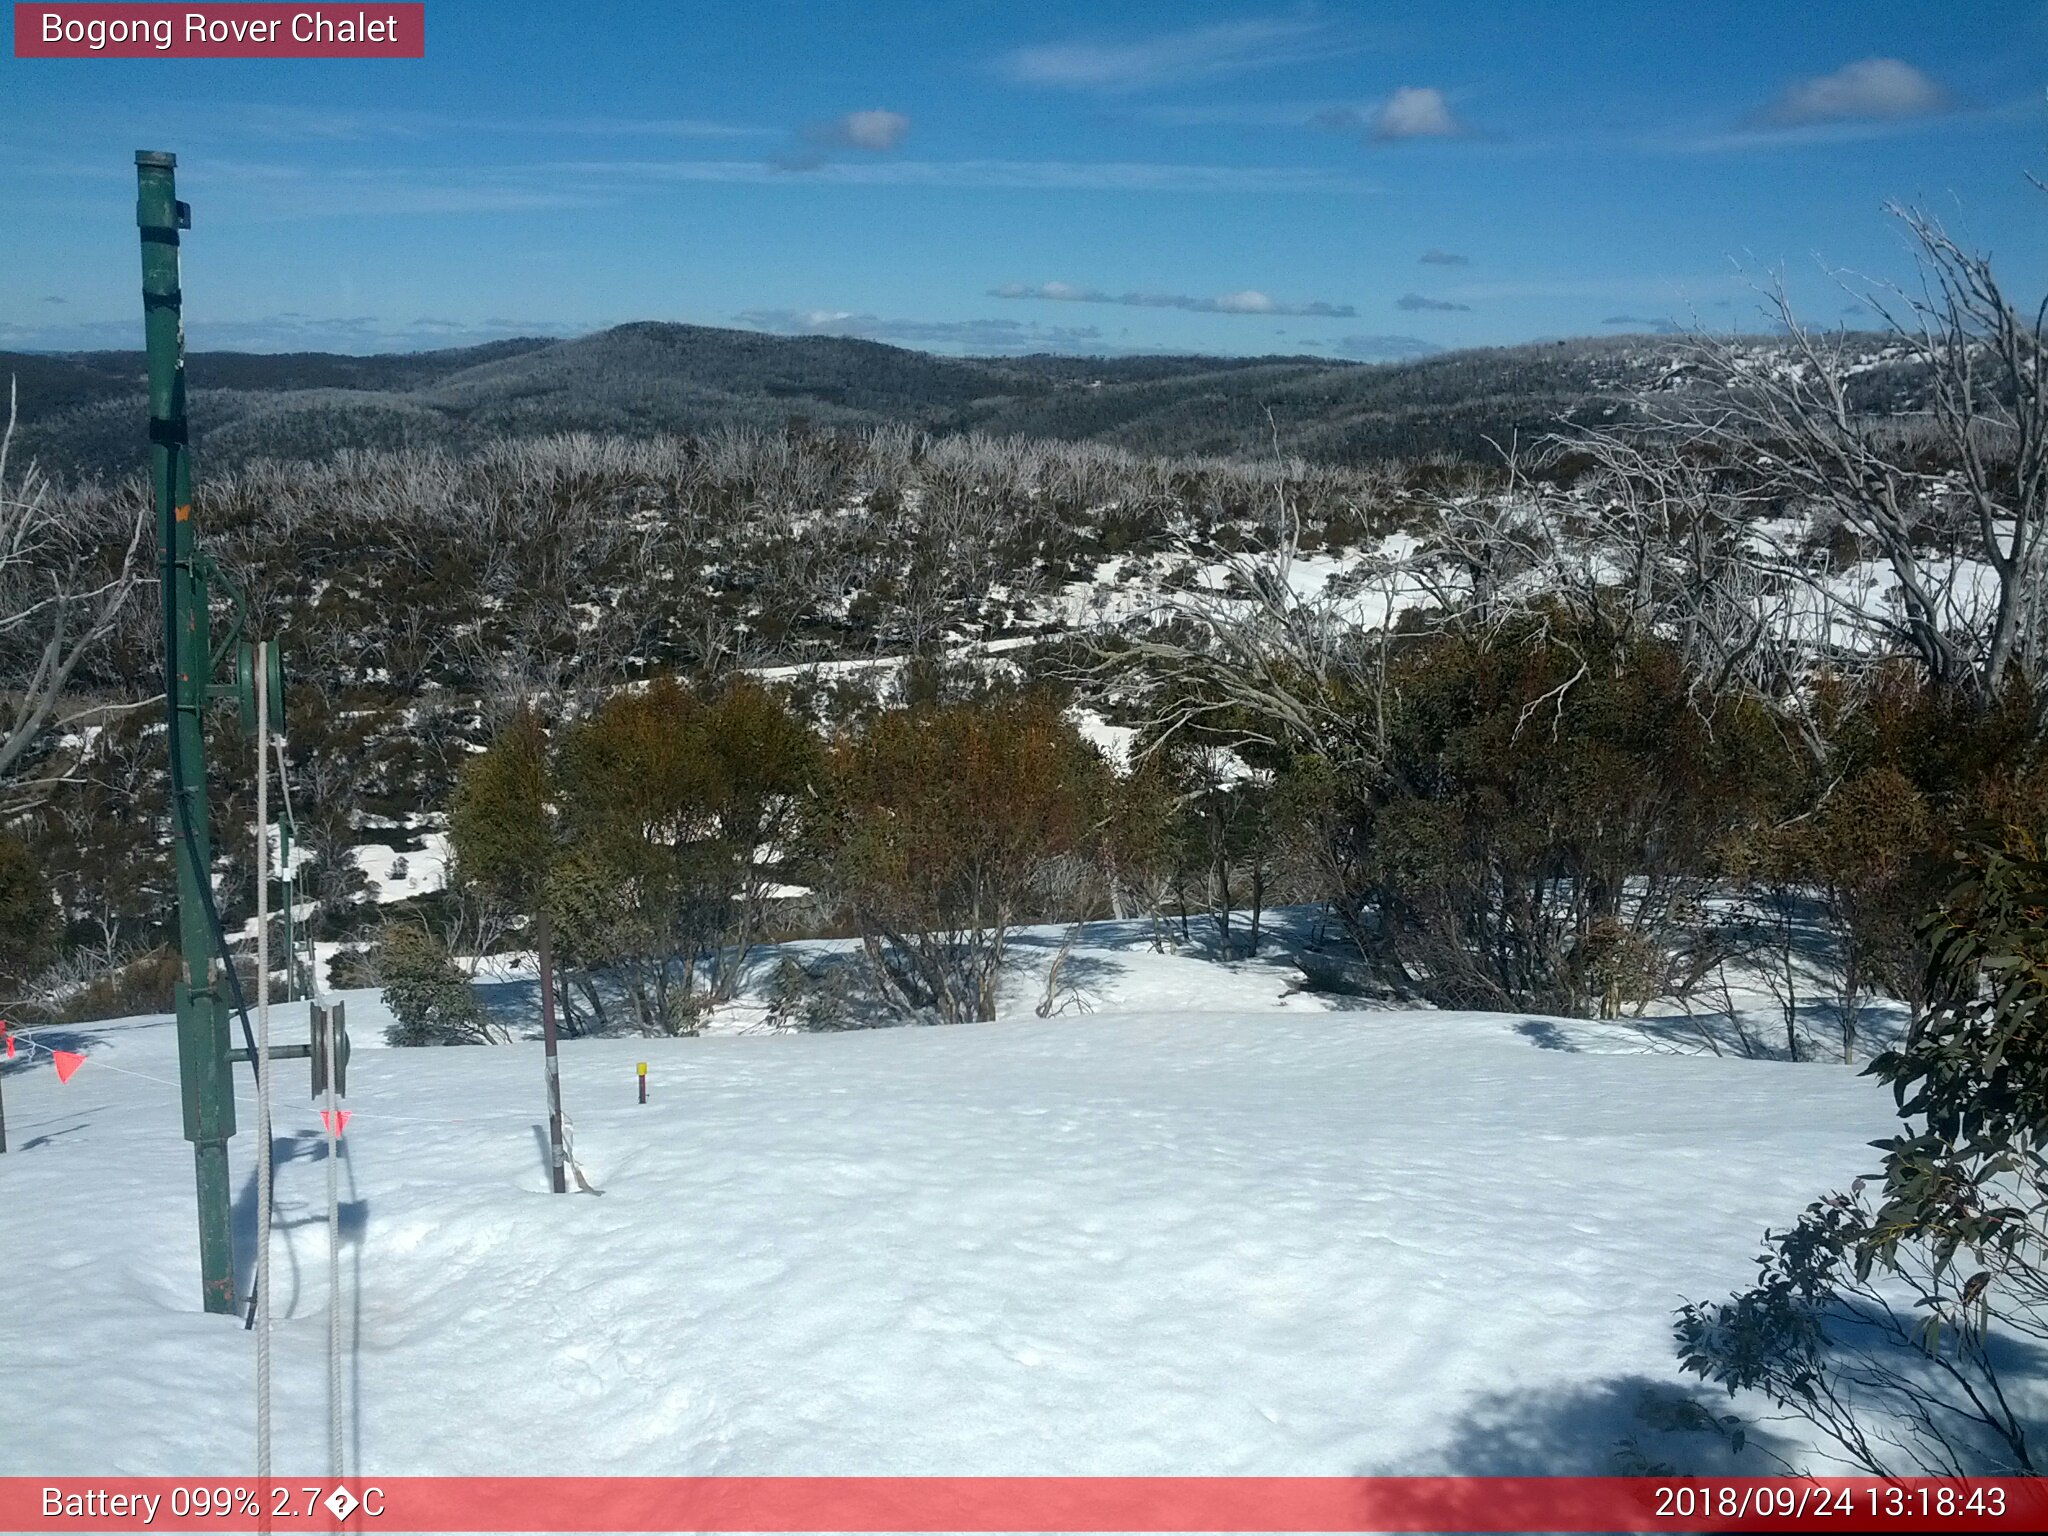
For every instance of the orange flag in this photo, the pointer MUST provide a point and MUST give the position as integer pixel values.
(68, 1062)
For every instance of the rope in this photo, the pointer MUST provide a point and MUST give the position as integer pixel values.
(100, 1064)
(264, 1154)
(334, 1402)
(290, 823)
(569, 1158)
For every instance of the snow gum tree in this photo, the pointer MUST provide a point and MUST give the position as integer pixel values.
(500, 822)
(951, 823)
(502, 826)
(678, 812)
(1547, 821)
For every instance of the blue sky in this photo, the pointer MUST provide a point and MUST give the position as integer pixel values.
(1345, 179)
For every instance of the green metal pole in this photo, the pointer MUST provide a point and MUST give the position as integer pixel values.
(203, 1066)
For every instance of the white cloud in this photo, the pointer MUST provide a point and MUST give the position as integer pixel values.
(1865, 91)
(873, 129)
(1196, 53)
(1416, 112)
(1418, 301)
(1251, 302)
(1247, 302)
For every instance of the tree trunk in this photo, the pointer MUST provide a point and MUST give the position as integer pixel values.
(1258, 900)
(596, 1001)
(1222, 906)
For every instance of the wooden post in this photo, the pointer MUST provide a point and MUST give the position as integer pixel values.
(643, 1094)
(556, 1173)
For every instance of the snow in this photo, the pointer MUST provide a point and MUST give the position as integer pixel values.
(395, 874)
(1204, 1223)
(1113, 741)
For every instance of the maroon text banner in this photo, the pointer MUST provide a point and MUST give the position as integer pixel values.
(104, 31)
(1063, 1504)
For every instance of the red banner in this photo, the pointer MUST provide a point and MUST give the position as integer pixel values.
(235, 31)
(1064, 1504)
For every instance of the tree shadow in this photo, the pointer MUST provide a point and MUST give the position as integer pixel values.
(1545, 1035)
(34, 1042)
(1090, 971)
(1624, 1426)
(47, 1137)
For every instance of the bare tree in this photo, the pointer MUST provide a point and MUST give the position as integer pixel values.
(60, 595)
(1951, 500)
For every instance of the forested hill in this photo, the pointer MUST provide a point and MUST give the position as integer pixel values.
(82, 412)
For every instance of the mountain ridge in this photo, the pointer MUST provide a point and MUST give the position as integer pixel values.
(82, 412)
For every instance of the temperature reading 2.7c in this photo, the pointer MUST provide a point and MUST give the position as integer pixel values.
(307, 1501)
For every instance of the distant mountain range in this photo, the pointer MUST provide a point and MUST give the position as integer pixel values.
(82, 413)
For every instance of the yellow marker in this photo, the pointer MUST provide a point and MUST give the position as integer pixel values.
(643, 1082)
(184, 513)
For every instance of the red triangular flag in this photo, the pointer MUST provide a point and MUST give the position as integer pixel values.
(10, 1047)
(336, 1120)
(68, 1062)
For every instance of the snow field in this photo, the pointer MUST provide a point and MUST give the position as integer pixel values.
(1202, 1229)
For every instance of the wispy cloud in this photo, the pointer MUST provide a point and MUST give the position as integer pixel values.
(1436, 258)
(1869, 99)
(1222, 114)
(1050, 175)
(1869, 90)
(260, 193)
(1419, 301)
(247, 191)
(356, 334)
(1647, 290)
(996, 336)
(1196, 53)
(268, 120)
(1381, 349)
(1246, 302)
(1662, 325)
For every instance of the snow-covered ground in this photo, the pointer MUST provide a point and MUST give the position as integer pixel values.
(1209, 1225)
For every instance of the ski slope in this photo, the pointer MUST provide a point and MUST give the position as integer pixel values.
(1208, 1227)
